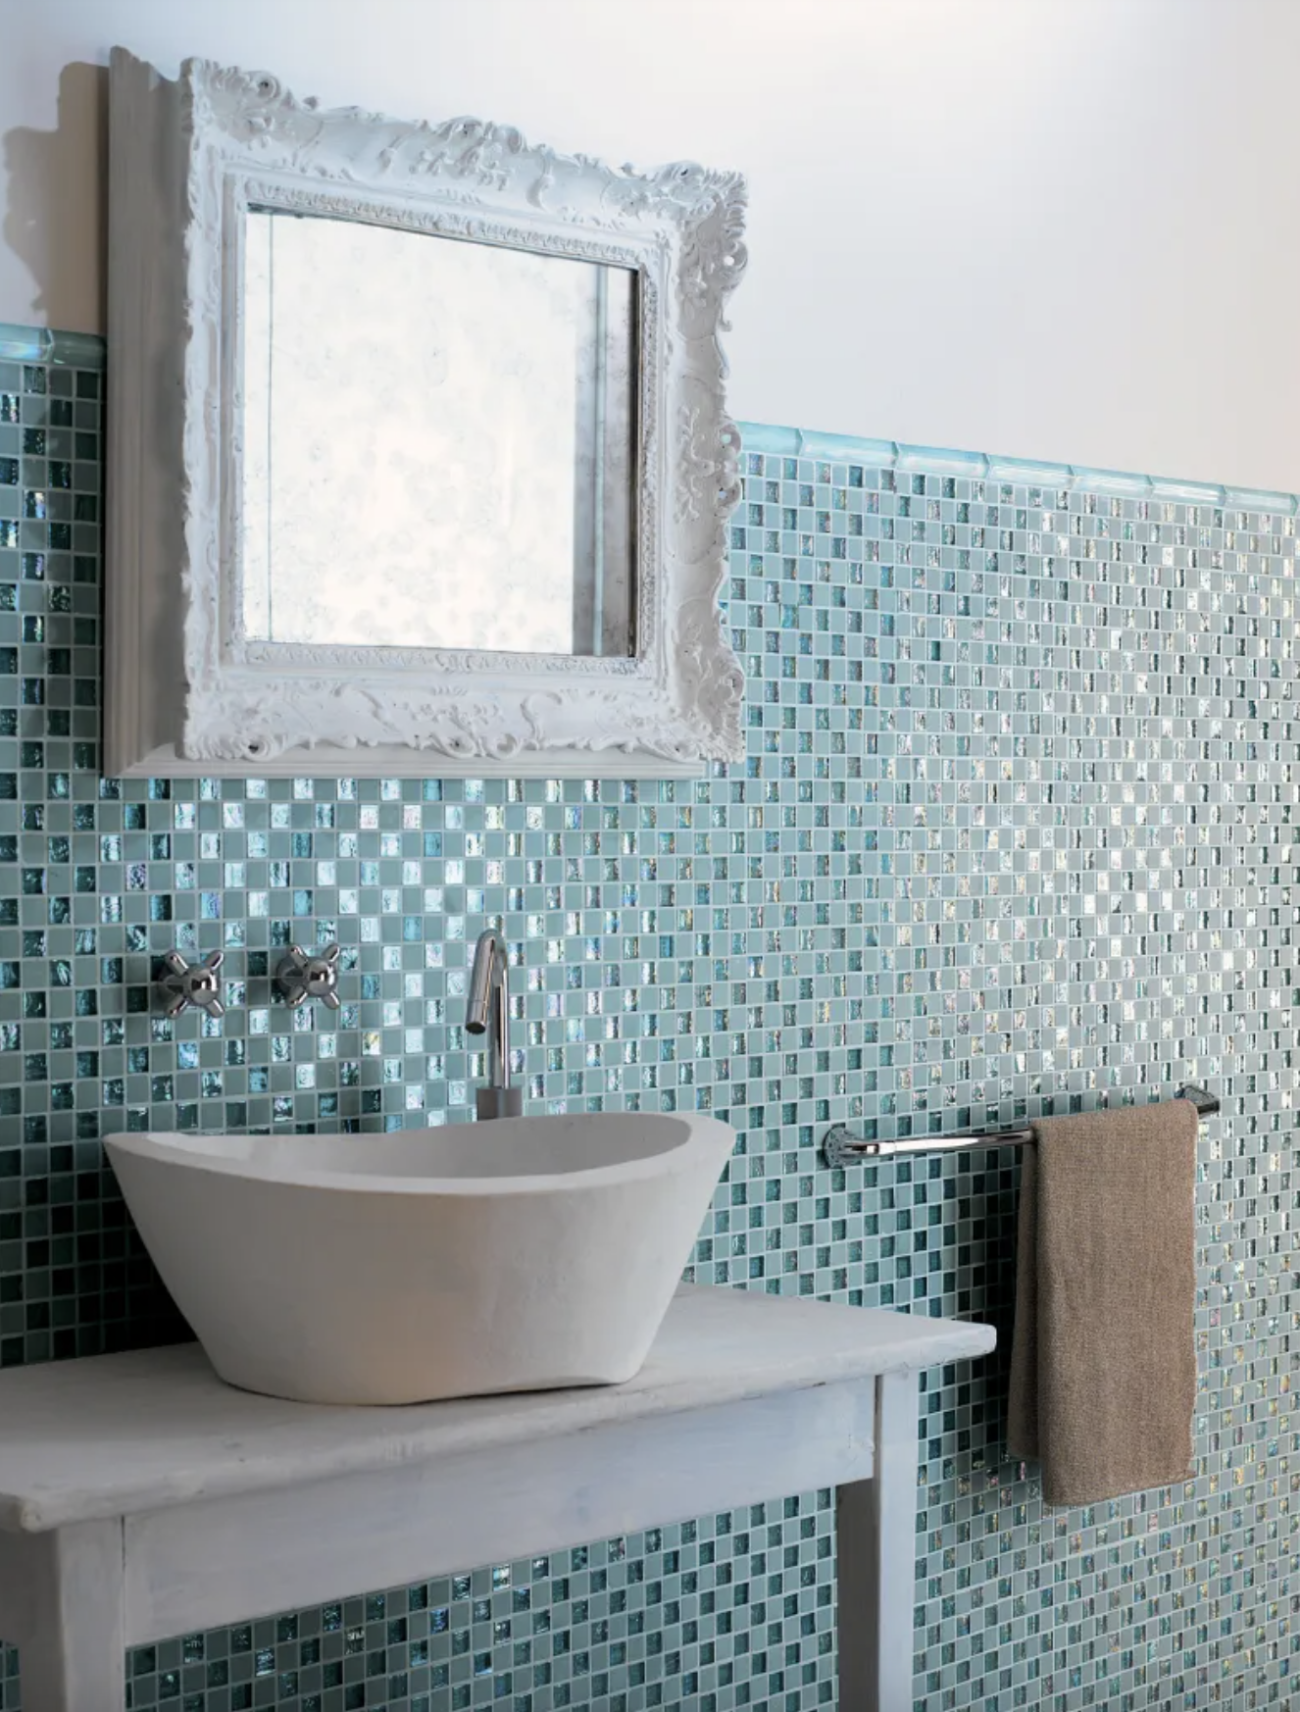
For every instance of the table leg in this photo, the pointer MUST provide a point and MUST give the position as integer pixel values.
(875, 1522)
(71, 1655)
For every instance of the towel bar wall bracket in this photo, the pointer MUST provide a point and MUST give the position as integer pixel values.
(842, 1147)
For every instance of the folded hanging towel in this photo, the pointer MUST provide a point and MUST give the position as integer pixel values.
(1103, 1359)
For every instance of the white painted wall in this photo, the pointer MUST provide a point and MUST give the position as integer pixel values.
(1049, 228)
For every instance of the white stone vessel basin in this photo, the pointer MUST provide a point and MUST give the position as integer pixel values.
(516, 1255)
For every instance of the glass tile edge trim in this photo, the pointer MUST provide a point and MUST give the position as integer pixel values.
(985, 466)
(20, 344)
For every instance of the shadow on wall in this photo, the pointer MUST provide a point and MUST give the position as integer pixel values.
(55, 222)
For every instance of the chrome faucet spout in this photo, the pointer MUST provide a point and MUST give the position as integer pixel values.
(487, 1012)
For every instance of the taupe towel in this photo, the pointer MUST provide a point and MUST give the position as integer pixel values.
(1103, 1359)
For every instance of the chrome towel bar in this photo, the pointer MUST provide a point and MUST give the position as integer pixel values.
(841, 1147)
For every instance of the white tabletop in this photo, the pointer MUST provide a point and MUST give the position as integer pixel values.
(115, 1435)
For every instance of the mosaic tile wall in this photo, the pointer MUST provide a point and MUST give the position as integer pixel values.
(1014, 834)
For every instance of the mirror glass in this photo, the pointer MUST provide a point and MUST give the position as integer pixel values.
(439, 442)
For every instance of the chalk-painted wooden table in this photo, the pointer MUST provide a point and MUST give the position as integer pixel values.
(141, 1498)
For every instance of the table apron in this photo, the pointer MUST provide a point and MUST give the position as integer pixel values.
(217, 1561)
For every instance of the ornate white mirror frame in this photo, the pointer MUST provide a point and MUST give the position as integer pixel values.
(186, 693)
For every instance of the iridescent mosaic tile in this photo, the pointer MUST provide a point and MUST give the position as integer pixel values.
(1015, 834)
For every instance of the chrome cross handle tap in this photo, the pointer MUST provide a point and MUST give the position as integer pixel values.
(300, 976)
(197, 984)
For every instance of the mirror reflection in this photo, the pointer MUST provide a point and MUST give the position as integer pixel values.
(439, 442)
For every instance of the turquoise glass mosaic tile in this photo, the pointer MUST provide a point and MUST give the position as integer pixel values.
(1015, 834)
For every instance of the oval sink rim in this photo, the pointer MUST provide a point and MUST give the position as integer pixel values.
(700, 1136)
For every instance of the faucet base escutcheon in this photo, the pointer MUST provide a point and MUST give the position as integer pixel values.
(498, 1103)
